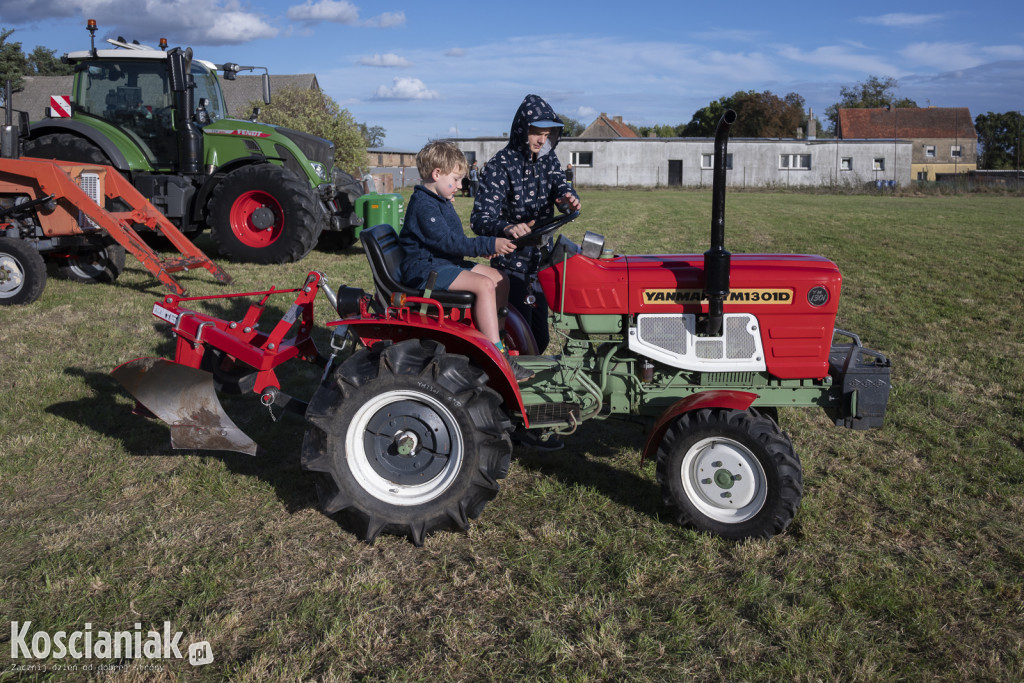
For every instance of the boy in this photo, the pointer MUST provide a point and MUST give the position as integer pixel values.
(433, 241)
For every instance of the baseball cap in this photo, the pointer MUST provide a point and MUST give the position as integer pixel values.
(546, 124)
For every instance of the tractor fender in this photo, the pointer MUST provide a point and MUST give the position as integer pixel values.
(90, 133)
(459, 339)
(715, 398)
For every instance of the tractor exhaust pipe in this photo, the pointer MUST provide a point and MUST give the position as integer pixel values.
(716, 259)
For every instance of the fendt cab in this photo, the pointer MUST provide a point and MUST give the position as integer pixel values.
(411, 432)
(159, 117)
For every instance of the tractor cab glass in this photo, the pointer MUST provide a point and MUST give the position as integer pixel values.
(136, 96)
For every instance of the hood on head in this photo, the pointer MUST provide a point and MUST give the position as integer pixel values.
(534, 111)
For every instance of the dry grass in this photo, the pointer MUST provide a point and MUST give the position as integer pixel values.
(904, 561)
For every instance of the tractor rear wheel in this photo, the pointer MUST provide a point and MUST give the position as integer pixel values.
(409, 440)
(65, 147)
(22, 273)
(732, 473)
(264, 214)
(98, 265)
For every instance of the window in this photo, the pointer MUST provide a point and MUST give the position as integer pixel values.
(795, 161)
(707, 161)
(954, 151)
(380, 159)
(929, 151)
(582, 159)
(846, 164)
(922, 175)
(879, 164)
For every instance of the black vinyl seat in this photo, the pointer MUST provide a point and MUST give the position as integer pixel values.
(385, 254)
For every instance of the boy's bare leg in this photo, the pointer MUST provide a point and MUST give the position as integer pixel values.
(485, 310)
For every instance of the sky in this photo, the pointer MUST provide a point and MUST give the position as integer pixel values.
(428, 70)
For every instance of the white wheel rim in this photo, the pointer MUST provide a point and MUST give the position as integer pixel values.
(89, 265)
(12, 276)
(361, 461)
(723, 480)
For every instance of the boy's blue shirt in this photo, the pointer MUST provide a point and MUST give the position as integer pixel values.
(432, 236)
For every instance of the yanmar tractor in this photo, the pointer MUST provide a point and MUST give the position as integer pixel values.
(159, 117)
(409, 428)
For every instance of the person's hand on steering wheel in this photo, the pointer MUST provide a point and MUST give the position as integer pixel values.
(568, 202)
(512, 231)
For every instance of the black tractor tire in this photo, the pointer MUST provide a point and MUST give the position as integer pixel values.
(104, 264)
(407, 439)
(264, 213)
(732, 473)
(64, 147)
(22, 273)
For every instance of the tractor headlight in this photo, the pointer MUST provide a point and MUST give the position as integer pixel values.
(319, 169)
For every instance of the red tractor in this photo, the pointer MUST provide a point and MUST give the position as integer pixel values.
(409, 428)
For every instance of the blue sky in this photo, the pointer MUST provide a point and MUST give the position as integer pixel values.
(424, 70)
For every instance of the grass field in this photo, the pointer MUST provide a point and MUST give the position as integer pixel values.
(905, 560)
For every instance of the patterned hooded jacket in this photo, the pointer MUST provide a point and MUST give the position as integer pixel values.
(518, 188)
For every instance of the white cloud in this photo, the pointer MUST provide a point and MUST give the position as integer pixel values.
(406, 89)
(1004, 51)
(841, 59)
(899, 19)
(387, 20)
(945, 56)
(338, 11)
(455, 52)
(388, 60)
(193, 22)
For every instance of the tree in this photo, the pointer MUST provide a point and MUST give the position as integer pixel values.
(374, 135)
(999, 136)
(873, 93)
(44, 62)
(12, 62)
(758, 115)
(571, 128)
(316, 113)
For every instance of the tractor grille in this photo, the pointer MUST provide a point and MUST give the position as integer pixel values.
(552, 413)
(667, 333)
(672, 339)
(90, 184)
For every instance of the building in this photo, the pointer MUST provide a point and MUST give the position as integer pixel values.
(604, 127)
(943, 140)
(751, 162)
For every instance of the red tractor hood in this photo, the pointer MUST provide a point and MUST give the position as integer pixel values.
(794, 296)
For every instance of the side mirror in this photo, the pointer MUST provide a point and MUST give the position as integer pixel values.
(266, 88)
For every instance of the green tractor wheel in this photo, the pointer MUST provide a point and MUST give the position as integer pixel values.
(264, 214)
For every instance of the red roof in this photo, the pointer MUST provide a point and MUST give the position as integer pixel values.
(933, 122)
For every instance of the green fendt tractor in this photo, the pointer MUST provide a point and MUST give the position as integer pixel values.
(159, 117)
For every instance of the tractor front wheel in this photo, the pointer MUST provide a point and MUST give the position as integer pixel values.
(732, 473)
(97, 265)
(409, 440)
(22, 273)
(264, 213)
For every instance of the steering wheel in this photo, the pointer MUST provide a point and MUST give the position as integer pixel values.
(545, 228)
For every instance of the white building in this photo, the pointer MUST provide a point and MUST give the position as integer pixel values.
(753, 162)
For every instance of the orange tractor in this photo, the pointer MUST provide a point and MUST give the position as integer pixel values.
(81, 218)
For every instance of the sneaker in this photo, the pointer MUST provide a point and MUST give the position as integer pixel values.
(521, 374)
(540, 441)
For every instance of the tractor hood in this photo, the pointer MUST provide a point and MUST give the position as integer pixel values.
(793, 297)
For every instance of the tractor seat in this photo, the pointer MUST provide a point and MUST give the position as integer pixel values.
(385, 254)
